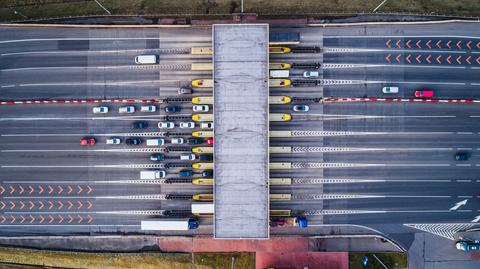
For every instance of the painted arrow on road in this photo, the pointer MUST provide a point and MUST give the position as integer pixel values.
(469, 45)
(458, 205)
(438, 44)
(408, 44)
(476, 219)
(428, 44)
(388, 43)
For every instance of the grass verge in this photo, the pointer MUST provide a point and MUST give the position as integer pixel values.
(64, 8)
(391, 260)
(60, 259)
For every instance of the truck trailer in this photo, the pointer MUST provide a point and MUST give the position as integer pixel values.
(169, 224)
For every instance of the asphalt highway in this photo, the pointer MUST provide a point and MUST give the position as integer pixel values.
(389, 164)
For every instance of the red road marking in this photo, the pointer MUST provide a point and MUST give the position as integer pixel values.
(69, 204)
(388, 57)
(448, 44)
(80, 219)
(398, 43)
(42, 219)
(2, 189)
(70, 219)
(51, 204)
(428, 58)
(468, 59)
(12, 218)
(388, 43)
(89, 204)
(79, 204)
(22, 204)
(23, 219)
(89, 189)
(469, 45)
(41, 205)
(60, 189)
(69, 189)
(51, 219)
(398, 57)
(31, 189)
(50, 188)
(90, 219)
(478, 60)
(12, 189)
(79, 189)
(80, 101)
(21, 189)
(3, 219)
(12, 205)
(478, 44)
(419, 58)
(60, 219)
(458, 59)
(438, 59)
(408, 58)
(3, 205)
(428, 44)
(32, 219)
(40, 189)
(459, 44)
(32, 205)
(60, 205)
(438, 44)
(418, 44)
(448, 59)
(408, 44)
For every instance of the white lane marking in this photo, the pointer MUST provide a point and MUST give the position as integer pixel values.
(465, 148)
(476, 84)
(394, 65)
(375, 116)
(128, 166)
(464, 196)
(8, 86)
(463, 165)
(105, 38)
(68, 225)
(458, 205)
(87, 51)
(355, 49)
(464, 180)
(466, 133)
(429, 82)
(122, 83)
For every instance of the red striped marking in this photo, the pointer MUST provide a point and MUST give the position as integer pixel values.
(374, 99)
(3, 219)
(35, 102)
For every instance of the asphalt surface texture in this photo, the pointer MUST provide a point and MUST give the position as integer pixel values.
(393, 164)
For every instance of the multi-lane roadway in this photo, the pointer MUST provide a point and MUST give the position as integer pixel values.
(379, 164)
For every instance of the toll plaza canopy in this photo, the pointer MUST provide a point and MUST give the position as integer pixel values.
(241, 134)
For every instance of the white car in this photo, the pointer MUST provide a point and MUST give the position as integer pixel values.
(148, 108)
(187, 125)
(126, 109)
(177, 140)
(390, 89)
(100, 110)
(310, 74)
(201, 108)
(187, 157)
(206, 125)
(113, 141)
(166, 125)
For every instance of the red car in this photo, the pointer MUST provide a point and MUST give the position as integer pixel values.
(424, 93)
(87, 141)
(210, 141)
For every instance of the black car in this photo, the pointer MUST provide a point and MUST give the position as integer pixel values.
(461, 156)
(172, 109)
(133, 141)
(207, 173)
(195, 141)
(140, 125)
(205, 157)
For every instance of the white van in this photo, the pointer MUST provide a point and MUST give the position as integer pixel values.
(390, 89)
(146, 59)
(155, 142)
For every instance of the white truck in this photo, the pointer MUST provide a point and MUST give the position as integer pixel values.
(202, 209)
(169, 224)
(279, 73)
(154, 174)
(155, 142)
